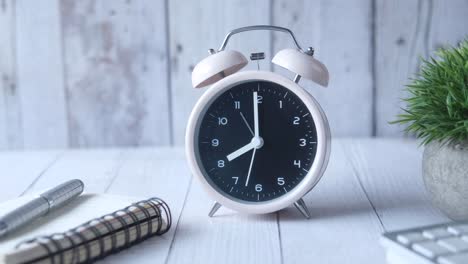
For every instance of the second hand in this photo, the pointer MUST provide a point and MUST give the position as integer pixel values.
(250, 167)
(246, 123)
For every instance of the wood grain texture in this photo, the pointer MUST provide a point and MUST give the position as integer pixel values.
(401, 27)
(10, 119)
(406, 31)
(448, 24)
(40, 74)
(390, 172)
(340, 32)
(196, 26)
(371, 185)
(21, 169)
(153, 173)
(343, 227)
(116, 72)
(228, 237)
(97, 170)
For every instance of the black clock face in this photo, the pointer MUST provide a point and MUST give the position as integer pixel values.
(256, 141)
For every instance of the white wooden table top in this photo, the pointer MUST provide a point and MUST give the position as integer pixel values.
(370, 186)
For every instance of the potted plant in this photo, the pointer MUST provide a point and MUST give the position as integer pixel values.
(437, 113)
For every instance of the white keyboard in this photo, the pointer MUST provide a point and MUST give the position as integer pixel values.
(441, 244)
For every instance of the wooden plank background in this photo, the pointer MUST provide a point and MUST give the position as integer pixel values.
(117, 73)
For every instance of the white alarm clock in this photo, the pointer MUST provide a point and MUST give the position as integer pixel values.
(256, 140)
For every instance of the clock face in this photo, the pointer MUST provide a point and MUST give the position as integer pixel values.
(256, 141)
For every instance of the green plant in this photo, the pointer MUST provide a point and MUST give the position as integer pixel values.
(437, 105)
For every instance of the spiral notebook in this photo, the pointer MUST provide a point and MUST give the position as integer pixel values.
(87, 229)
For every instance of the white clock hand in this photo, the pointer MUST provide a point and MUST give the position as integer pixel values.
(255, 143)
(240, 151)
(255, 107)
(250, 167)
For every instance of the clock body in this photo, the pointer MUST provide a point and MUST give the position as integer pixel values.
(257, 142)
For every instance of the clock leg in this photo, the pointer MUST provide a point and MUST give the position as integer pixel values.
(215, 208)
(302, 207)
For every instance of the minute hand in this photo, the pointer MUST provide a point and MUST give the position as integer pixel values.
(255, 108)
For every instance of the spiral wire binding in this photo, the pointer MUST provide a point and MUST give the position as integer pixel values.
(54, 249)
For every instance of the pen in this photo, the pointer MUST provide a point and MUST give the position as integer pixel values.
(41, 205)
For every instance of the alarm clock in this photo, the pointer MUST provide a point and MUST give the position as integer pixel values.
(256, 140)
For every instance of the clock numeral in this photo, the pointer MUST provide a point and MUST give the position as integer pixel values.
(236, 179)
(236, 104)
(280, 104)
(258, 188)
(259, 99)
(297, 163)
(220, 163)
(222, 121)
(296, 120)
(215, 142)
(302, 142)
(280, 181)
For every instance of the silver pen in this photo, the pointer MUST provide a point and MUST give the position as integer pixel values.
(40, 206)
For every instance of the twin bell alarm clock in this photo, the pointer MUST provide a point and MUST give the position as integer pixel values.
(256, 140)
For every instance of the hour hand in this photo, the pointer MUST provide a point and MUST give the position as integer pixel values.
(255, 143)
(240, 151)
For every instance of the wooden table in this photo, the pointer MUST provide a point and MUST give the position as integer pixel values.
(371, 186)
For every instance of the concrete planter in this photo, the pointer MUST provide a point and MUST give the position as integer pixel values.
(445, 173)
